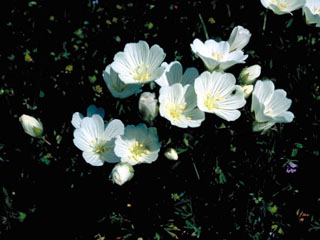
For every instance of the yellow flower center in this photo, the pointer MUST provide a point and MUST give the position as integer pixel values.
(100, 147)
(281, 4)
(141, 73)
(175, 110)
(218, 56)
(211, 101)
(316, 10)
(137, 151)
(269, 112)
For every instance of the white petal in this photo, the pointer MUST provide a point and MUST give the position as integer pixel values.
(76, 119)
(189, 76)
(82, 139)
(156, 57)
(114, 128)
(226, 114)
(92, 159)
(93, 126)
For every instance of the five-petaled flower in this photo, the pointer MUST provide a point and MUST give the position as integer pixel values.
(269, 106)
(139, 64)
(96, 139)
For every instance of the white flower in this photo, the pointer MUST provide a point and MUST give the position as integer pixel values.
(139, 144)
(218, 94)
(249, 74)
(247, 89)
(171, 154)
(270, 106)
(96, 139)
(148, 106)
(239, 38)
(173, 74)
(92, 109)
(178, 104)
(283, 6)
(312, 12)
(117, 88)
(138, 64)
(217, 55)
(122, 173)
(31, 126)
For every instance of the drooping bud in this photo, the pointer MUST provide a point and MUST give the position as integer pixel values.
(171, 154)
(247, 89)
(31, 126)
(148, 106)
(121, 173)
(249, 74)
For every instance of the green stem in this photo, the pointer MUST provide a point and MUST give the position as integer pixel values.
(204, 27)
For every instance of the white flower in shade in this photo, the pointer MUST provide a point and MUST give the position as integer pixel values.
(239, 38)
(311, 10)
(92, 109)
(247, 89)
(96, 139)
(148, 106)
(178, 104)
(218, 94)
(122, 173)
(270, 106)
(171, 154)
(283, 6)
(173, 74)
(139, 144)
(138, 64)
(31, 126)
(249, 74)
(117, 88)
(217, 55)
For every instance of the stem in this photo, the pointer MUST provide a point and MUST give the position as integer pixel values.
(45, 140)
(204, 27)
(195, 169)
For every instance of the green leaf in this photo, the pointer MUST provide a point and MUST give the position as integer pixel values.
(32, 3)
(22, 216)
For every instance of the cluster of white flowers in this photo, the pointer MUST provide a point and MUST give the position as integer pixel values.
(310, 8)
(184, 98)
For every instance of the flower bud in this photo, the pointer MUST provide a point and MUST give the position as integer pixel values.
(239, 38)
(247, 89)
(31, 126)
(122, 172)
(249, 74)
(148, 106)
(171, 154)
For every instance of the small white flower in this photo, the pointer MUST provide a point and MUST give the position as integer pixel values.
(178, 104)
(122, 173)
(139, 144)
(217, 55)
(311, 10)
(173, 74)
(171, 154)
(96, 139)
(270, 106)
(247, 89)
(218, 94)
(283, 6)
(239, 38)
(249, 74)
(148, 106)
(92, 109)
(31, 126)
(117, 88)
(138, 64)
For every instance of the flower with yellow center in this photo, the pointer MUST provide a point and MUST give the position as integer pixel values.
(117, 88)
(139, 64)
(96, 139)
(269, 106)
(283, 6)
(218, 94)
(178, 104)
(311, 10)
(217, 55)
(138, 144)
